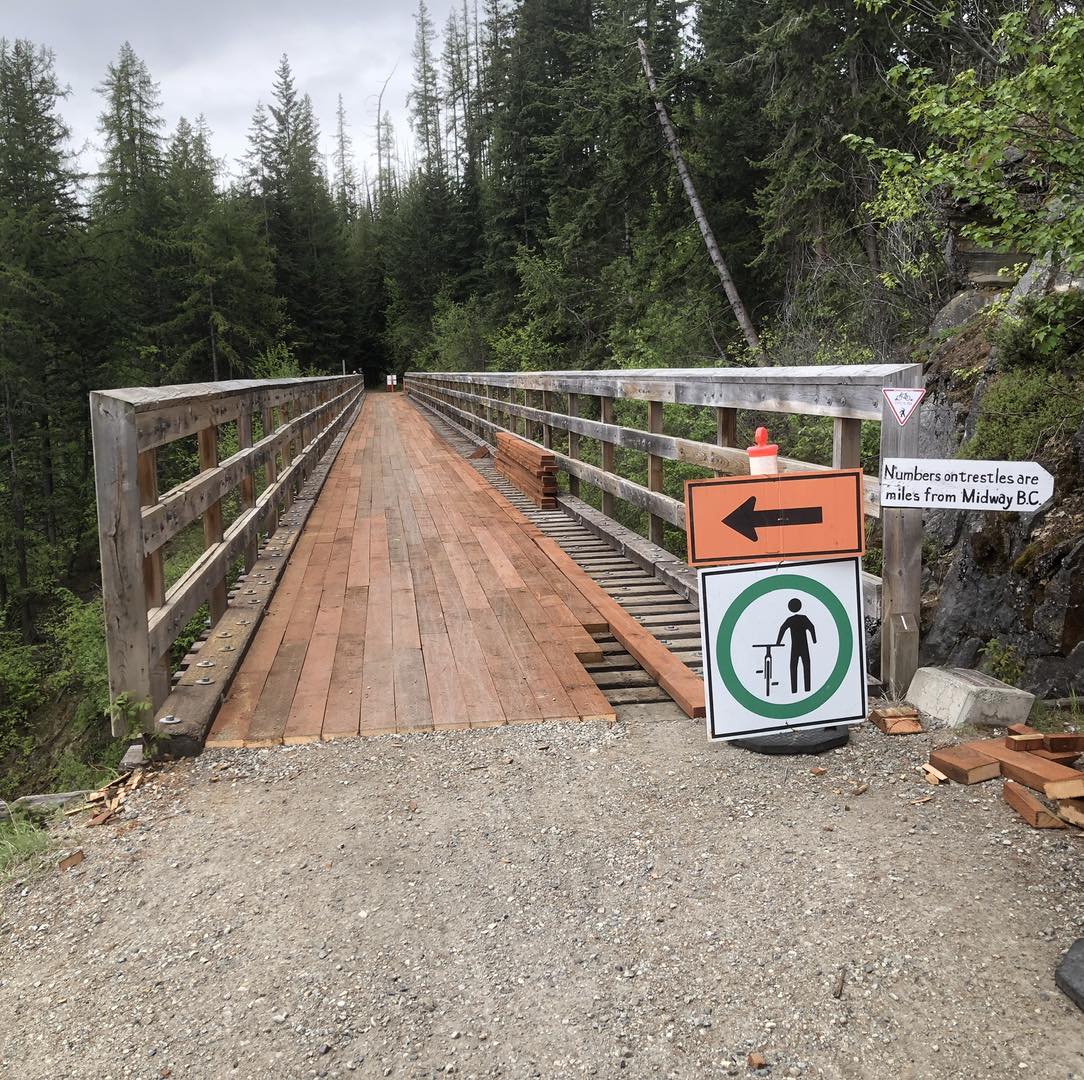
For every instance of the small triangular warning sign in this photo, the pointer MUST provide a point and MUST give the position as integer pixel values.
(904, 401)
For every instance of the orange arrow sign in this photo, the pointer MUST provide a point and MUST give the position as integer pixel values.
(764, 518)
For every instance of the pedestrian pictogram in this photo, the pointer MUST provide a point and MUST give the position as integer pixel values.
(809, 672)
(801, 632)
(904, 400)
(789, 515)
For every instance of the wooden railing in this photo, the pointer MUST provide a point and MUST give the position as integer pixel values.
(297, 420)
(535, 405)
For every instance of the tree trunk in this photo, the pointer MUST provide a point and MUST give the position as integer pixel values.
(211, 325)
(729, 287)
(18, 514)
(48, 481)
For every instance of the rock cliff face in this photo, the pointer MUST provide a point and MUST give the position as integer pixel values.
(1014, 579)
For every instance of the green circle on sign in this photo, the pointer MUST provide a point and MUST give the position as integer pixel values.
(790, 583)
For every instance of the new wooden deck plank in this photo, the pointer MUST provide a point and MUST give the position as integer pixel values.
(418, 597)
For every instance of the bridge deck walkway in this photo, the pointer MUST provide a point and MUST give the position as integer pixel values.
(417, 598)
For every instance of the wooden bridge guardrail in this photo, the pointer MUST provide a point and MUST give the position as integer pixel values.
(540, 403)
(298, 419)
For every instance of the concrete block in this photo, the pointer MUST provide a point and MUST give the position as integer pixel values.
(958, 696)
(133, 757)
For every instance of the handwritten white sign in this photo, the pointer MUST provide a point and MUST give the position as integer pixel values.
(949, 484)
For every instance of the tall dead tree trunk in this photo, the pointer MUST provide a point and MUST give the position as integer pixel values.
(731, 290)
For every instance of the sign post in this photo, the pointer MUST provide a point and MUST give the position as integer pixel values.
(783, 647)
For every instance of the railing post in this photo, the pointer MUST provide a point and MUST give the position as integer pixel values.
(901, 576)
(726, 428)
(547, 429)
(286, 412)
(120, 528)
(212, 518)
(248, 483)
(574, 444)
(271, 469)
(655, 475)
(846, 443)
(154, 577)
(606, 415)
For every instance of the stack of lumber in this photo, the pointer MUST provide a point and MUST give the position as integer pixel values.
(532, 470)
(1029, 761)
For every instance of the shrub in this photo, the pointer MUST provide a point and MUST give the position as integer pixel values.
(1023, 410)
(1047, 331)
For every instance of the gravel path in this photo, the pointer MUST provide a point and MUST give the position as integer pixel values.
(550, 901)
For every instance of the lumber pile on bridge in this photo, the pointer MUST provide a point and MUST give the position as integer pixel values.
(532, 470)
(1026, 759)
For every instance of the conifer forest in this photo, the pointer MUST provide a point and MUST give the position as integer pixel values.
(530, 216)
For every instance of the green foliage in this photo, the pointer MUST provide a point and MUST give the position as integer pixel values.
(276, 362)
(1046, 331)
(523, 348)
(20, 841)
(1003, 661)
(22, 685)
(129, 713)
(1022, 411)
(78, 631)
(1005, 149)
(459, 339)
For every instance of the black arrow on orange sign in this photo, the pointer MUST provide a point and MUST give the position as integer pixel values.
(746, 519)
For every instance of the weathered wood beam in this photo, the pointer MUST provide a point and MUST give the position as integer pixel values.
(723, 459)
(901, 571)
(833, 390)
(116, 481)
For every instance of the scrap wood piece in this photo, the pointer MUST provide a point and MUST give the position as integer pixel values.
(1031, 741)
(965, 764)
(1072, 811)
(74, 859)
(1064, 742)
(1063, 748)
(1030, 808)
(933, 775)
(1054, 780)
(896, 719)
(1062, 757)
(103, 817)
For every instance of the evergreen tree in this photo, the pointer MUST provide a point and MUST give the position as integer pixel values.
(126, 213)
(39, 365)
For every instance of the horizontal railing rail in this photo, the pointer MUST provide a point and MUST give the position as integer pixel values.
(535, 405)
(297, 419)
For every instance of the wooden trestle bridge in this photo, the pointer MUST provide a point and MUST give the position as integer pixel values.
(362, 568)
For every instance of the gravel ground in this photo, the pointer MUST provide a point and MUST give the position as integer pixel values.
(547, 901)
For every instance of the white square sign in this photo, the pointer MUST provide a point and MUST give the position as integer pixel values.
(783, 646)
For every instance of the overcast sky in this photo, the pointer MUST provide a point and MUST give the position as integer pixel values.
(218, 57)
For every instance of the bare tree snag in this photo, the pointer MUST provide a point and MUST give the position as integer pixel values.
(740, 312)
